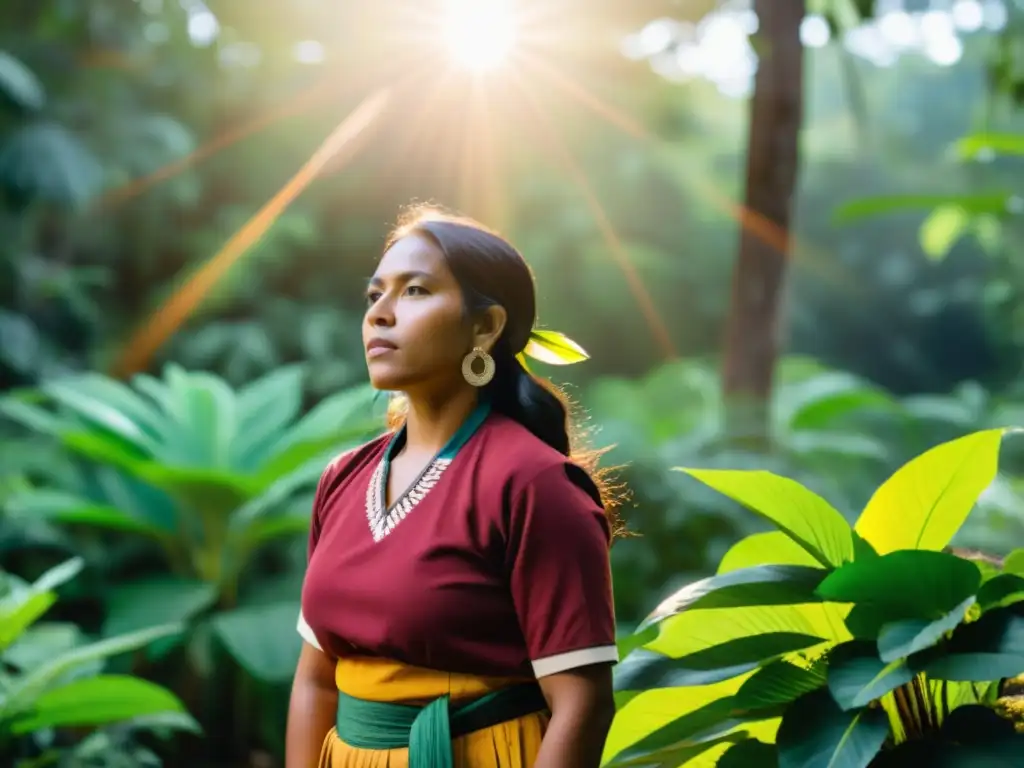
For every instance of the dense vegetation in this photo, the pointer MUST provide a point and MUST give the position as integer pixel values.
(156, 479)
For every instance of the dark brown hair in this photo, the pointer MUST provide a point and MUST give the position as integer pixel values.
(490, 271)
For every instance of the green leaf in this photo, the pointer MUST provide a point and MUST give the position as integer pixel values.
(856, 676)
(942, 229)
(988, 649)
(28, 688)
(1014, 562)
(1001, 591)
(19, 84)
(554, 348)
(970, 147)
(906, 584)
(760, 585)
(19, 618)
(635, 640)
(59, 575)
(780, 682)
(748, 754)
(903, 638)
(162, 600)
(68, 509)
(262, 639)
(926, 501)
(887, 204)
(799, 513)
(96, 701)
(674, 756)
(770, 548)
(706, 723)
(644, 669)
(815, 732)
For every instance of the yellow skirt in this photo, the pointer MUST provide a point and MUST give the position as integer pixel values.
(508, 745)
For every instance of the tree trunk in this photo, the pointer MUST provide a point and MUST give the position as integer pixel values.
(752, 332)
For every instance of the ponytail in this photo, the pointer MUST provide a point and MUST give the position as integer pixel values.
(534, 403)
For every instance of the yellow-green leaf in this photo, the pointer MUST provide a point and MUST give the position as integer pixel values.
(799, 513)
(554, 348)
(926, 501)
(770, 548)
(941, 230)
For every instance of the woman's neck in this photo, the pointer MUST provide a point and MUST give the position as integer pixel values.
(431, 422)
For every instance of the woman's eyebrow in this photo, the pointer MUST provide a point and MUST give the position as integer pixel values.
(400, 277)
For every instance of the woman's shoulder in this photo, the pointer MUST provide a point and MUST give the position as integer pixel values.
(518, 459)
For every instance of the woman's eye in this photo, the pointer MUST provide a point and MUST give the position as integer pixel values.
(372, 296)
(416, 290)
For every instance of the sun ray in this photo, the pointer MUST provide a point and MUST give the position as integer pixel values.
(756, 223)
(166, 320)
(641, 295)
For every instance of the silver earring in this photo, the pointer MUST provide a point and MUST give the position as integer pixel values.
(472, 377)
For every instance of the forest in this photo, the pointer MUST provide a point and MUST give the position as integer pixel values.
(781, 241)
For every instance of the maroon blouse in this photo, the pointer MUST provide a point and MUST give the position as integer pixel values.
(499, 568)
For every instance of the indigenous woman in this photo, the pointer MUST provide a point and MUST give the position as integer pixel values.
(457, 609)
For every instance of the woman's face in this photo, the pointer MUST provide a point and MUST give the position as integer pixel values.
(415, 332)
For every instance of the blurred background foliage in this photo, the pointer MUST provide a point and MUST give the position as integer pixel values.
(137, 137)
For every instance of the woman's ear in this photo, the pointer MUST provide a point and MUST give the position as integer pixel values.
(489, 326)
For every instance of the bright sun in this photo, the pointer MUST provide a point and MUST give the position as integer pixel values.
(479, 34)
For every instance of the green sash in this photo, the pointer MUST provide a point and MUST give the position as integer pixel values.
(428, 731)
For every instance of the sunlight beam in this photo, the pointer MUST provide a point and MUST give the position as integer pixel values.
(169, 317)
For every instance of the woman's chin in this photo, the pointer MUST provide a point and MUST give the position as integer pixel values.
(385, 380)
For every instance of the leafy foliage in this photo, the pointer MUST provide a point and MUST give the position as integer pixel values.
(53, 679)
(909, 639)
(207, 475)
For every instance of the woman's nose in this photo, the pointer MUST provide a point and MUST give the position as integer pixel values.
(380, 314)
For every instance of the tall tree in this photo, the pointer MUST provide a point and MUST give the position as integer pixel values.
(773, 154)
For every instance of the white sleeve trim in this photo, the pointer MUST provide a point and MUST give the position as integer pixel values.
(584, 657)
(307, 633)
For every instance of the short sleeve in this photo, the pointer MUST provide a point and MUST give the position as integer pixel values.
(315, 526)
(560, 571)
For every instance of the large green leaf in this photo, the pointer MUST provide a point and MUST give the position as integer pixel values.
(96, 701)
(99, 413)
(857, 676)
(703, 724)
(693, 632)
(759, 585)
(677, 755)
(68, 509)
(1000, 591)
(1014, 562)
(651, 710)
(904, 638)
(988, 649)
(905, 584)
(799, 513)
(815, 732)
(769, 548)
(778, 683)
(161, 600)
(926, 501)
(751, 753)
(266, 408)
(644, 669)
(26, 689)
(262, 639)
